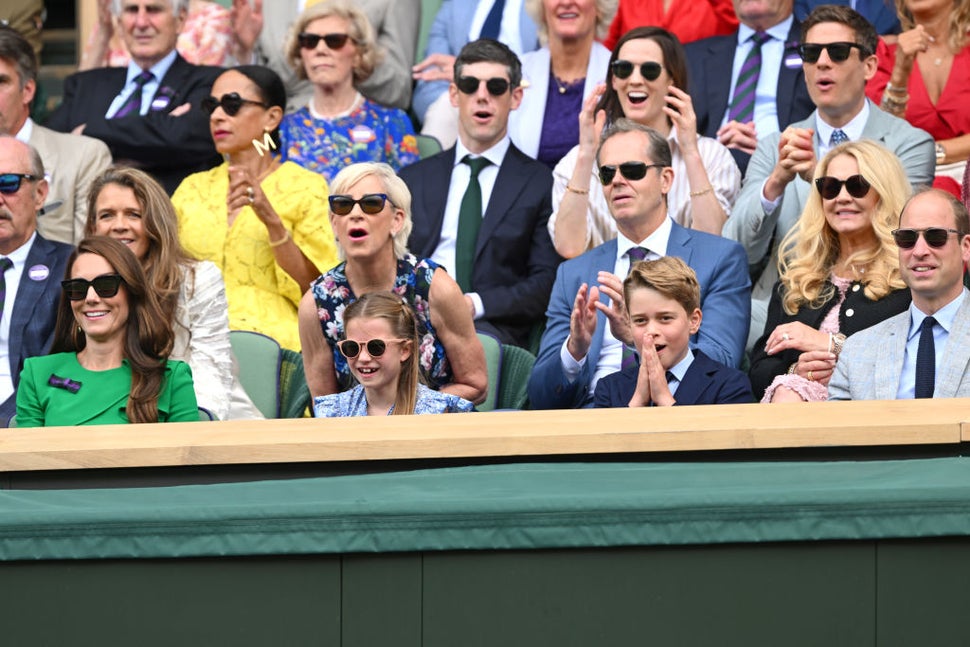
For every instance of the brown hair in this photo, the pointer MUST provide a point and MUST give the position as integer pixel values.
(865, 34)
(148, 333)
(396, 311)
(668, 275)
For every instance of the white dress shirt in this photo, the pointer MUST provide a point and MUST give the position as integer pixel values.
(12, 278)
(158, 70)
(941, 332)
(508, 32)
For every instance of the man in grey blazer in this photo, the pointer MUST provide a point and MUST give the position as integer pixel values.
(837, 48)
(885, 362)
(71, 161)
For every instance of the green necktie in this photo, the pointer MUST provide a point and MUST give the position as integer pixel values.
(469, 222)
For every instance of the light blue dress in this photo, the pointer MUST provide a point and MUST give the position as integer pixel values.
(354, 403)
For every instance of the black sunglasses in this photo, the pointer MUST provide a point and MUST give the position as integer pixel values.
(105, 285)
(650, 70)
(934, 236)
(838, 52)
(333, 41)
(370, 203)
(630, 170)
(231, 104)
(10, 182)
(830, 187)
(375, 347)
(496, 86)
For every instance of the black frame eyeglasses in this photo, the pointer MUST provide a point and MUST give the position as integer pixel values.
(375, 347)
(649, 70)
(332, 41)
(632, 171)
(496, 86)
(106, 286)
(231, 104)
(830, 187)
(934, 236)
(370, 203)
(10, 182)
(838, 52)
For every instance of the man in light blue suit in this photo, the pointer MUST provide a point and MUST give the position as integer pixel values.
(838, 50)
(889, 360)
(587, 332)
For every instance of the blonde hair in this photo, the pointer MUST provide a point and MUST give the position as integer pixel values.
(811, 247)
(369, 54)
(395, 310)
(668, 275)
(395, 188)
(605, 10)
(959, 22)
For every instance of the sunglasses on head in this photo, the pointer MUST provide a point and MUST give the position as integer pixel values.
(838, 52)
(370, 203)
(106, 286)
(650, 70)
(934, 236)
(375, 347)
(830, 187)
(630, 170)
(496, 86)
(10, 182)
(333, 41)
(231, 104)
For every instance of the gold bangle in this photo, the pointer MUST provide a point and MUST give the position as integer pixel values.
(791, 369)
(277, 243)
(898, 91)
(697, 194)
(573, 189)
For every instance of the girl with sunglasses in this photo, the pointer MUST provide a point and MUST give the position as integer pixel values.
(332, 44)
(262, 222)
(839, 272)
(647, 83)
(128, 205)
(381, 346)
(370, 210)
(109, 361)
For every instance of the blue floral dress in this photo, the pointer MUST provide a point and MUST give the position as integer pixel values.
(370, 133)
(332, 294)
(354, 403)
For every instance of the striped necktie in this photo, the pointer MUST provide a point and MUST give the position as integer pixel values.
(133, 104)
(5, 264)
(742, 103)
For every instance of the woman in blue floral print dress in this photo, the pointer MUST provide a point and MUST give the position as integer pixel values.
(333, 46)
(370, 212)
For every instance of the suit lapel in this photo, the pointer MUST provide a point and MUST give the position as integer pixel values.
(29, 294)
(434, 197)
(696, 380)
(957, 356)
(509, 183)
(889, 365)
(719, 87)
(677, 244)
(172, 82)
(601, 258)
(787, 77)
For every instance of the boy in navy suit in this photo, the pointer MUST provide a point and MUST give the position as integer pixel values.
(663, 305)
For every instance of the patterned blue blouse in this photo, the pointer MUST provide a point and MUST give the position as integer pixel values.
(371, 133)
(332, 294)
(354, 403)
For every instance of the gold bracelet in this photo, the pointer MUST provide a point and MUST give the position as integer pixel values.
(898, 91)
(573, 189)
(277, 243)
(791, 369)
(697, 194)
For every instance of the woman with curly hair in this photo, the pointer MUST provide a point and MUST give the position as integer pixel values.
(839, 272)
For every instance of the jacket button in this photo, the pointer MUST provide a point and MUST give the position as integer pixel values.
(849, 312)
(855, 288)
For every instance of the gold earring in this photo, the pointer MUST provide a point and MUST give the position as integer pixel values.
(266, 145)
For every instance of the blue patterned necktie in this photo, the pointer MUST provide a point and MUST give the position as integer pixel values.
(838, 137)
(493, 22)
(745, 90)
(5, 264)
(926, 360)
(133, 104)
(469, 222)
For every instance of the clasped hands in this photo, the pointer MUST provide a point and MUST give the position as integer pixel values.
(816, 361)
(582, 319)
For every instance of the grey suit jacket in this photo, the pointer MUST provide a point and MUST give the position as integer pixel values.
(396, 24)
(871, 362)
(761, 234)
(71, 162)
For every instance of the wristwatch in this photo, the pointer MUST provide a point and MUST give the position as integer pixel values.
(940, 153)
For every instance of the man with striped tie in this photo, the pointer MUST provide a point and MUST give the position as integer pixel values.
(838, 56)
(148, 113)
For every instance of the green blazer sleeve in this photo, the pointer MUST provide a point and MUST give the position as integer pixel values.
(177, 401)
(30, 412)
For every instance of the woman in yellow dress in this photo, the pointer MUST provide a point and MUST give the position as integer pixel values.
(262, 222)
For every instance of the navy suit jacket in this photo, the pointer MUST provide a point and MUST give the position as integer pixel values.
(722, 272)
(170, 148)
(34, 311)
(705, 382)
(710, 63)
(515, 261)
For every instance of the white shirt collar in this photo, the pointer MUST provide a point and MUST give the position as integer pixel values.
(159, 70)
(680, 368)
(25, 131)
(19, 255)
(853, 129)
(778, 32)
(495, 154)
(656, 242)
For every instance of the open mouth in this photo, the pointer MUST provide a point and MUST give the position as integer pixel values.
(659, 347)
(636, 98)
(357, 233)
(825, 84)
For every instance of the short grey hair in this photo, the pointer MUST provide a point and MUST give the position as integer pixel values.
(176, 5)
(658, 149)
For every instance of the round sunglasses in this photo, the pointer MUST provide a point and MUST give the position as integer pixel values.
(370, 203)
(649, 70)
(630, 170)
(934, 236)
(231, 104)
(332, 41)
(375, 347)
(106, 286)
(496, 86)
(838, 52)
(830, 187)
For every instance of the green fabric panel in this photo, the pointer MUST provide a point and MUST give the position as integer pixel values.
(518, 506)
